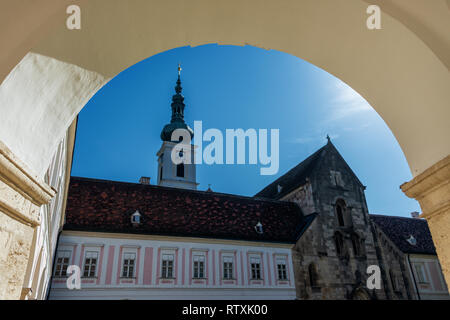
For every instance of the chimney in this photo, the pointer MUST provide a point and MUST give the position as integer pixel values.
(415, 214)
(144, 180)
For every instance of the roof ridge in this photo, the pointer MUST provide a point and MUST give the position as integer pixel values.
(184, 190)
(309, 158)
(399, 217)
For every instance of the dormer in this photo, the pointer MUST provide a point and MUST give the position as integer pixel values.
(136, 218)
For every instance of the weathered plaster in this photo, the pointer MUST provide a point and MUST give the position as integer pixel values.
(39, 100)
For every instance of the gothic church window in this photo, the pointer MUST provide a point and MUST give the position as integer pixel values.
(340, 210)
(339, 242)
(393, 280)
(356, 244)
(313, 275)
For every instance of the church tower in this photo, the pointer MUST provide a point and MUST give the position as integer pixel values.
(170, 174)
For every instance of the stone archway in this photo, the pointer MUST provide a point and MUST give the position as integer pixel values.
(401, 70)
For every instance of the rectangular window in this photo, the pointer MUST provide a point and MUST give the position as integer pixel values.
(90, 264)
(199, 266)
(167, 266)
(421, 276)
(228, 268)
(62, 262)
(128, 265)
(281, 268)
(255, 264)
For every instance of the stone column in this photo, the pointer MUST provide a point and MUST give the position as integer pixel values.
(21, 196)
(432, 189)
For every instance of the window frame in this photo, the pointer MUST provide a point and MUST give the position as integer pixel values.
(422, 277)
(199, 266)
(228, 268)
(127, 266)
(63, 265)
(94, 265)
(255, 268)
(167, 263)
(282, 269)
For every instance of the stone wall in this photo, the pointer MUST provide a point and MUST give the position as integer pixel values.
(21, 195)
(339, 276)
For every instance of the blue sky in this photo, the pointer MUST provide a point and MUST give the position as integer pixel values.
(230, 87)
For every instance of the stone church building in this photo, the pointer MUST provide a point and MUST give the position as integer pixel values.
(307, 235)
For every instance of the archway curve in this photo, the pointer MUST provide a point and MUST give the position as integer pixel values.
(391, 68)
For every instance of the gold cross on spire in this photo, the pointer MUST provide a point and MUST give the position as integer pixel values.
(179, 69)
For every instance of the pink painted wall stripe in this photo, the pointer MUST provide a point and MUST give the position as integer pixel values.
(214, 267)
(207, 269)
(73, 253)
(158, 266)
(269, 269)
(148, 264)
(138, 259)
(110, 264)
(288, 270)
(100, 263)
(235, 275)
(242, 269)
(119, 265)
(80, 264)
(183, 272)
(176, 266)
(190, 266)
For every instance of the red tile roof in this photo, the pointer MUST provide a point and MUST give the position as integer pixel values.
(107, 206)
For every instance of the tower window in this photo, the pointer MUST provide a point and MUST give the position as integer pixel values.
(180, 170)
(199, 266)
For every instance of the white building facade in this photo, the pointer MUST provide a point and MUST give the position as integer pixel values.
(135, 266)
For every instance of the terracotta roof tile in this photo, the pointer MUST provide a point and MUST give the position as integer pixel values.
(107, 206)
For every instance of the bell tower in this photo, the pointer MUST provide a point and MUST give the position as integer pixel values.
(171, 174)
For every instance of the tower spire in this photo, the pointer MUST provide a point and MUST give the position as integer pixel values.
(177, 119)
